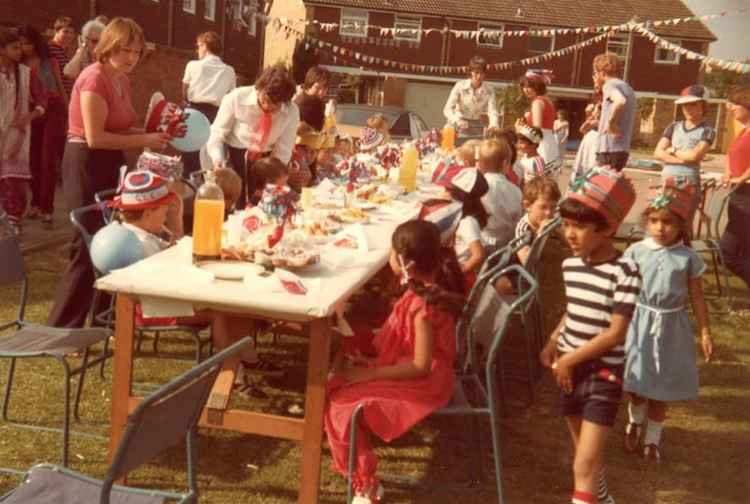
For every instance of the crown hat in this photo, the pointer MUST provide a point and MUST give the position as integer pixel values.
(370, 138)
(674, 195)
(141, 190)
(529, 133)
(610, 194)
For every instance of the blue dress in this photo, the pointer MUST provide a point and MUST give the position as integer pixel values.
(660, 344)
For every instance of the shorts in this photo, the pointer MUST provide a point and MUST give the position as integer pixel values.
(597, 391)
(615, 160)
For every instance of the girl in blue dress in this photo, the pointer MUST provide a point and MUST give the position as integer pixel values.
(660, 346)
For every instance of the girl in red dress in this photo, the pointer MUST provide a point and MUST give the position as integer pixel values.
(411, 374)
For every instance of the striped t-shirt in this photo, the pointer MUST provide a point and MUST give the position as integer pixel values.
(594, 292)
(524, 226)
(58, 52)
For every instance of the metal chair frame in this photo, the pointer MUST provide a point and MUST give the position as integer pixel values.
(487, 393)
(716, 206)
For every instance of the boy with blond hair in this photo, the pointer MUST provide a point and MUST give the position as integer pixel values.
(503, 199)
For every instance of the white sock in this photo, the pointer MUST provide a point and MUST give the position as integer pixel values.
(653, 433)
(637, 412)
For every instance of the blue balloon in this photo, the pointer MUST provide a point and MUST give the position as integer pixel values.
(114, 246)
(198, 130)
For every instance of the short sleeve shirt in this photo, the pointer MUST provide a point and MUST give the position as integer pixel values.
(468, 231)
(739, 154)
(59, 54)
(684, 138)
(608, 143)
(121, 115)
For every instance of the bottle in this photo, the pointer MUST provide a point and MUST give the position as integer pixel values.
(449, 138)
(208, 217)
(330, 116)
(407, 174)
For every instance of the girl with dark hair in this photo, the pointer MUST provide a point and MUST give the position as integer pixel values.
(471, 105)
(21, 102)
(541, 113)
(47, 130)
(412, 373)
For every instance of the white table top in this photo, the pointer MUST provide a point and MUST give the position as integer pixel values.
(169, 278)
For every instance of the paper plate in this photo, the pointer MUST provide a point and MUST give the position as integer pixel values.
(198, 131)
(230, 270)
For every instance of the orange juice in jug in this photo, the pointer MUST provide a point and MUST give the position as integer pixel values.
(407, 175)
(449, 138)
(208, 217)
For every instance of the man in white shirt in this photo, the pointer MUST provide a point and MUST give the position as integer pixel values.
(470, 99)
(255, 121)
(206, 82)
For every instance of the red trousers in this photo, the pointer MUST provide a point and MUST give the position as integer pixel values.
(47, 144)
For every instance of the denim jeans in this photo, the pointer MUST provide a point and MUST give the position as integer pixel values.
(735, 242)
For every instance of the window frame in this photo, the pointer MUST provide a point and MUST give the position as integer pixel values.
(212, 3)
(550, 37)
(353, 14)
(675, 61)
(189, 6)
(416, 23)
(619, 43)
(492, 44)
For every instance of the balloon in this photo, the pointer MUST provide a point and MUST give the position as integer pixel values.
(198, 130)
(114, 247)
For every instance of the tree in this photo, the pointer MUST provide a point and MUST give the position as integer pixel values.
(720, 82)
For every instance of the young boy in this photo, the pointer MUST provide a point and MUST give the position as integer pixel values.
(278, 199)
(303, 157)
(530, 164)
(503, 199)
(540, 197)
(585, 351)
(617, 115)
(231, 186)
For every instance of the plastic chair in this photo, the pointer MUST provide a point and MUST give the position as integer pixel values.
(712, 215)
(472, 395)
(97, 214)
(158, 423)
(34, 341)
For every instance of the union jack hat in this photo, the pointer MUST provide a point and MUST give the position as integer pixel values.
(141, 190)
(691, 94)
(610, 194)
(674, 195)
(370, 138)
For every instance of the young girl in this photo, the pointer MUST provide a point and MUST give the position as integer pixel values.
(412, 374)
(18, 108)
(660, 345)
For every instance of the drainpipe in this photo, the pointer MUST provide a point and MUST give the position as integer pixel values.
(445, 44)
(628, 52)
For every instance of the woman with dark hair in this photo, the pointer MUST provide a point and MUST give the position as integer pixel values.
(310, 98)
(253, 122)
(47, 129)
(541, 114)
(472, 104)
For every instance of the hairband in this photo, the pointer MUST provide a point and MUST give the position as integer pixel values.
(404, 269)
(544, 75)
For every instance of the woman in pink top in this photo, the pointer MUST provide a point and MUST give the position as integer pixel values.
(100, 128)
(541, 114)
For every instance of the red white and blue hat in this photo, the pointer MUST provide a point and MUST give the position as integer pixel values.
(692, 94)
(141, 190)
(674, 195)
(370, 138)
(610, 194)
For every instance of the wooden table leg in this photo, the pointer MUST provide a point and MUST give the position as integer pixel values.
(315, 397)
(122, 377)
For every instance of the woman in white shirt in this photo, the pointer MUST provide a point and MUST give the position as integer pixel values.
(470, 100)
(253, 122)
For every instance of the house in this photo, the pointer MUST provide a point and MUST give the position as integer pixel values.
(171, 25)
(656, 74)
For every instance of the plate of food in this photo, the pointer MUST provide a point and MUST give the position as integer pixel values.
(351, 215)
(230, 270)
(365, 205)
(294, 258)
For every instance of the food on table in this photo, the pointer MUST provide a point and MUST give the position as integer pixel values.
(351, 215)
(346, 242)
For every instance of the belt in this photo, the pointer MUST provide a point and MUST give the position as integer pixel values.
(655, 331)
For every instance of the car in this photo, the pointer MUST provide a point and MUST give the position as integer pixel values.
(404, 124)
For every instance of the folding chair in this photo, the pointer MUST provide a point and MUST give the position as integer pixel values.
(34, 341)
(472, 395)
(712, 215)
(92, 217)
(158, 423)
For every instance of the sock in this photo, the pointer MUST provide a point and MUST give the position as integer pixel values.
(603, 491)
(637, 412)
(653, 433)
(583, 498)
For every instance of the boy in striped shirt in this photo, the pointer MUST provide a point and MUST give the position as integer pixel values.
(585, 351)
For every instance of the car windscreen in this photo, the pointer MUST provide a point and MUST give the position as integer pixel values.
(358, 117)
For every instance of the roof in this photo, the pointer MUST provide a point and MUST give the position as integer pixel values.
(554, 13)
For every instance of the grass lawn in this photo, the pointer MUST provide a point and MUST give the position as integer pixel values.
(705, 442)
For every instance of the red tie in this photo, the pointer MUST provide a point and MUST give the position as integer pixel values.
(263, 130)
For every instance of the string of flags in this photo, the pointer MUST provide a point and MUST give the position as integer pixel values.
(414, 33)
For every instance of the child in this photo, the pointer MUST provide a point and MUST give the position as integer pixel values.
(303, 157)
(468, 153)
(562, 131)
(586, 350)
(380, 124)
(277, 199)
(540, 197)
(231, 186)
(412, 374)
(361, 166)
(343, 146)
(503, 199)
(586, 155)
(660, 346)
(531, 164)
(22, 101)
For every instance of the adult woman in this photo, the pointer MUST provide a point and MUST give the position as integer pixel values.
(541, 113)
(470, 100)
(101, 118)
(735, 242)
(84, 56)
(255, 121)
(684, 144)
(47, 129)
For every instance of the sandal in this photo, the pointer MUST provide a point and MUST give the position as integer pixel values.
(651, 452)
(633, 433)
(262, 367)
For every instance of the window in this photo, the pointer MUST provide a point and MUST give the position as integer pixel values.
(492, 39)
(188, 6)
(408, 24)
(244, 13)
(354, 23)
(540, 44)
(665, 56)
(209, 10)
(618, 44)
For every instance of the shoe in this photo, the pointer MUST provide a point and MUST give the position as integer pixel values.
(651, 452)
(369, 497)
(34, 213)
(47, 219)
(262, 367)
(633, 433)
